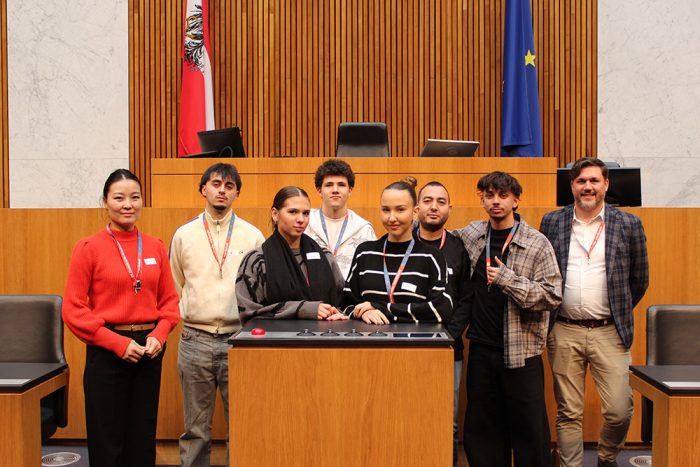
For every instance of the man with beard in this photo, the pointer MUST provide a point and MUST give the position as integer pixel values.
(602, 256)
(335, 227)
(516, 285)
(433, 211)
(204, 256)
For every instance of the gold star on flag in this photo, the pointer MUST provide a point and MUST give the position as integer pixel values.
(530, 59)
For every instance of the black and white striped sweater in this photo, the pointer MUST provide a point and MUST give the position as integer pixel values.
(420, 295)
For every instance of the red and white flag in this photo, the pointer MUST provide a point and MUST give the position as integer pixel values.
(197, 98)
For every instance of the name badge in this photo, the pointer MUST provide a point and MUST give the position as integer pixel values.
(450, 271)
(149, 261)
(313, 255)
(408, 286)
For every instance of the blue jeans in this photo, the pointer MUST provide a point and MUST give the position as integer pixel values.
(203, 366)
(455, 423)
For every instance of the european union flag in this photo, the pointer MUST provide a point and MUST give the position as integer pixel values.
(521, 134)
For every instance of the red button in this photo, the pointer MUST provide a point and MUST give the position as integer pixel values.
(257, 332)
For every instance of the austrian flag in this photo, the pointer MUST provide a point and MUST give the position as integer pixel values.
(197, 98)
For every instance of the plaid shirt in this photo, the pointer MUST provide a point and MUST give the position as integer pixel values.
(626, 261)
(530, 280)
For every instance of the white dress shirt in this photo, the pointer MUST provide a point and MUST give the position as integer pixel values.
(586, 288)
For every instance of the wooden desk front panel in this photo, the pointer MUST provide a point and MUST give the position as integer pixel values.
(175, 181)
(675, 428)
(37, 243)
(20, 436)
(341, 407)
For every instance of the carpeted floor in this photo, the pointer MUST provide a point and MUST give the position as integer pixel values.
(60, 460)
(627, 458)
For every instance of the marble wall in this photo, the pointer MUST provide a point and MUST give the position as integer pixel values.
(68, 92)
(649, 95)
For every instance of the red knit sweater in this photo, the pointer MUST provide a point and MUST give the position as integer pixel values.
(99, 290)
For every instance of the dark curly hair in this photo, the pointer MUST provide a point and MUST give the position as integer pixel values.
(334, 167)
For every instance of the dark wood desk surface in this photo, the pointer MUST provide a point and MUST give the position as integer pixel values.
(18, 377)
(292, 333)
(671, 379)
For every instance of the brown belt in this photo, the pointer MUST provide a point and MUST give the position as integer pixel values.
(132, 327)
(586, 323)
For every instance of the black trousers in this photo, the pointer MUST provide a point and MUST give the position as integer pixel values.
(505, 411)
(121, 406)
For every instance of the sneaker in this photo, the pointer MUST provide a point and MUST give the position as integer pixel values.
(604, 463)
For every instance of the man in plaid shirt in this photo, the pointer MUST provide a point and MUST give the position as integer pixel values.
(602, 255)
(516, 284)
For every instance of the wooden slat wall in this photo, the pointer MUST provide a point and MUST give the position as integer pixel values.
(4, 143)
(288, 72)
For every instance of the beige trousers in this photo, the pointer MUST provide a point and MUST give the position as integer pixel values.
(572, 349)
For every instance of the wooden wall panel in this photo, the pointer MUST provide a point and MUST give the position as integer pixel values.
(4, 143)
(289, 72)
(35, 260)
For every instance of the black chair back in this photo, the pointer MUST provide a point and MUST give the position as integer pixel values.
(362, 139)
(31, 331)
(672, 339)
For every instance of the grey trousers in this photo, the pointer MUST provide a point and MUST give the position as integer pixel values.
(203, 366)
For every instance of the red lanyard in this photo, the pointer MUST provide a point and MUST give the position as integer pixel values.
(442, 241)
(211, 242)
(595, 240)
(509, 238)
(135, 279)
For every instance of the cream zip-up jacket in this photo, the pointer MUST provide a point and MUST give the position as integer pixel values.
(207, 300)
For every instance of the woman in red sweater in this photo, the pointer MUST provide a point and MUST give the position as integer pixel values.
(121, 301)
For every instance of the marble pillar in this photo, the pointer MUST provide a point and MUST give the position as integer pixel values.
(649, 95)
(68, 93)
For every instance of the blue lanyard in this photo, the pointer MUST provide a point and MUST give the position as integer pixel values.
(135, 279)
(340, 236)
(390, 287)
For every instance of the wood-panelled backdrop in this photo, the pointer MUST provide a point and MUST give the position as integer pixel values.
(287, 72)
(4, 144)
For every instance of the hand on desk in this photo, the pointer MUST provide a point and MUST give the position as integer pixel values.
(369, 314)
(329, 313)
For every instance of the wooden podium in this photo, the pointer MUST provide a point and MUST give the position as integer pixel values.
(174, 182)
(335, 401)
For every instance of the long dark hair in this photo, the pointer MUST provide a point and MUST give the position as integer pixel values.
(116, 176)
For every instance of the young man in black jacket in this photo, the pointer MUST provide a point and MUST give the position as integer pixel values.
(433, 211)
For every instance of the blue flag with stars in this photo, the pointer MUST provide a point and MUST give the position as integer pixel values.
(521, 134)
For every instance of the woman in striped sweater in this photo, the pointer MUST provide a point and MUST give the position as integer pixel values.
(395, 278)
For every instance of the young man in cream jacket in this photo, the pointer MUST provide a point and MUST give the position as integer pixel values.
(204, 256)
